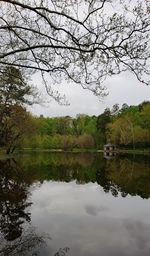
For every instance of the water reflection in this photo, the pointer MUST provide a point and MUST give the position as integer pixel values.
(62, 251)
(14, 211)
(129, 175)
(13, 198)
(121, 174)
(28, 243)
(84, 202)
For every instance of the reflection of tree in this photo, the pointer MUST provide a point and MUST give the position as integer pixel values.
(101, 177)
(62, 251)
(128, 175)
(13, 198)
(123, 174)
(27, 244)
(103, 180)
(16, 239)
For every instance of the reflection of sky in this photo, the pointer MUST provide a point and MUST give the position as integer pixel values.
(90, 222)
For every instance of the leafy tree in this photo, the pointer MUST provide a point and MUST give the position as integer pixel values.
(14, 120)
(131, 126)
(85, 141)
(121, 131)
(13, 88)
(63, 125)
(79, 124)
(47, 126)
(115, 109)
(124, 107)
(102, 121)
(102, 38)
(68, 142)
(15, 127)
(145, 116)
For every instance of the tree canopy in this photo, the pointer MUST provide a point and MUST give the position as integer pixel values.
(14, 88)
(15, 93)
(84, 41)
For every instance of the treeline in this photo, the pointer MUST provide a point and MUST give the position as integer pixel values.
(128, 126)
(64, 133)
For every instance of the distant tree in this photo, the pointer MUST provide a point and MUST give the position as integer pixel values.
(68, 142)
(85, 141)
(124, 107)
(145, 116)
(131, 127)
(47, 126)
(79, 124)
(143, 104)
(63, 125)
(102, 121)
(120, 131)
(90, 127)
(115, 109)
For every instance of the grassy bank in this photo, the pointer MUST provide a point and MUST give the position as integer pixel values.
(94, 150)
(77, 150)
(134, 151)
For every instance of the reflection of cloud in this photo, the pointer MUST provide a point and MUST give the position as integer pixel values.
(90, 222)
(139, 234)
(94, 210)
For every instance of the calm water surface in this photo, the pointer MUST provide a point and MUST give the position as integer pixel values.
(74, 204)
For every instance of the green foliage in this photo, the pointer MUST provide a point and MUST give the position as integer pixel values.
(131, 127)
(13, 87)
(15, 121)
(102, 122)
(127, 127)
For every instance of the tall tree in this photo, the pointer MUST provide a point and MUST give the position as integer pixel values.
(14, 94)
(15, 126)
(13, 87)
(102, 121)
(84, 41)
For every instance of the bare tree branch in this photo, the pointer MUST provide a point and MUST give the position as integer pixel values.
(83, 41)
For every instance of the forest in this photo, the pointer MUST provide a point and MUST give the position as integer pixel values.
(125, 126)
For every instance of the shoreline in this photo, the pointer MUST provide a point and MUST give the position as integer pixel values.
(38, 150)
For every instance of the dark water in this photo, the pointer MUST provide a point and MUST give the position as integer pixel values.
(75, 204)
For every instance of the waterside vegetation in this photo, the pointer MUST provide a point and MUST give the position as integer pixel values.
(127, 127)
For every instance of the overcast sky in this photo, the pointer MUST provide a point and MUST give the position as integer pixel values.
(123, 88)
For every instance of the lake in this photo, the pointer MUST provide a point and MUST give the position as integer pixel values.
(75, 204)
